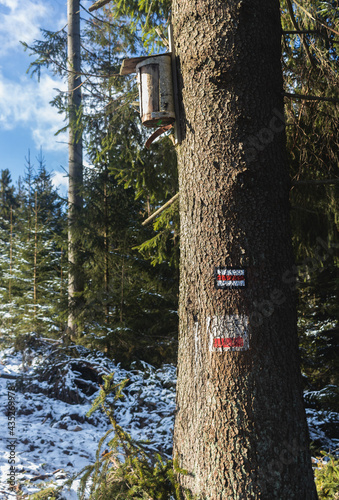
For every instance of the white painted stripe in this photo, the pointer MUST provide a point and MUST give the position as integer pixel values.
(231, 272)
(231, 283)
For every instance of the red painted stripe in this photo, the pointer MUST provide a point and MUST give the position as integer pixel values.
(230, 277)
(228, 342)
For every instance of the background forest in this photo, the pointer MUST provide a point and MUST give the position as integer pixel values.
(128, 308)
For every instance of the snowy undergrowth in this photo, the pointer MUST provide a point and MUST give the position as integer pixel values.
(54, 390)
(54, 438)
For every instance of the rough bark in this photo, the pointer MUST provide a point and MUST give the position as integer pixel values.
(75, 278)
(240, 428)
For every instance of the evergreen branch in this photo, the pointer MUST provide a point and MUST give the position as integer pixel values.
(295, 24)
(315, 19)
(62, 30)
(80, 73)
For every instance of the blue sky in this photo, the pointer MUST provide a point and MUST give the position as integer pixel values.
(27, 120)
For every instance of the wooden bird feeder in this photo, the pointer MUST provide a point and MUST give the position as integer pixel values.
(154, 74)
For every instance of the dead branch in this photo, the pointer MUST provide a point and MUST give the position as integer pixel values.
(310, 97)
(41, 476)
(98, 4)
(315, 182)
(157, 212)
(8, 376)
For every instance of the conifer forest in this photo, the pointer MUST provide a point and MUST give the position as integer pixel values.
(104, 309)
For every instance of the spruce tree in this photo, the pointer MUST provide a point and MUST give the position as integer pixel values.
(310, 58)
(31, 261)
(123, 170)
(7, 197)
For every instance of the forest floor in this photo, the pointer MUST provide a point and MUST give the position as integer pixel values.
(45, 394)
(52, 438)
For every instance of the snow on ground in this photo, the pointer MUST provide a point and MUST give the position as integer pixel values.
(324, 429)
(53, 439)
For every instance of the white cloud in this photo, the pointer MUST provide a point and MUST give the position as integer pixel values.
(21, 21)
(25, 108)
(60, 180)
(27, 103)
(87, 164)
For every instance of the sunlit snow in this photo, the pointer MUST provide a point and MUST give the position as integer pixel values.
(55, 439)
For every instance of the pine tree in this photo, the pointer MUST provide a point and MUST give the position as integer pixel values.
(7, 198)
(123, 170)
(8, 206)
(121, 290)
(31, 261)
(127, 300)
(311, 69)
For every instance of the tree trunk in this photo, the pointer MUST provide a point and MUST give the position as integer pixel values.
(75, 278)
(35, 261)
(106, 248)
(10, 256)
(240, 428)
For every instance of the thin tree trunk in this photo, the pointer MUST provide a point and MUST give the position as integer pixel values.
(109, 119)
(240, 428)
(122, 289)
(10, 256)
(75, 202)
(35, 264)
(30, 201)
(61, 282)
(106, 248)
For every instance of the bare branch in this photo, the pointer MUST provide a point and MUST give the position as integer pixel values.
(310, 97)
(98, 4)
(8, 376)
(157, 212)
(315, 182)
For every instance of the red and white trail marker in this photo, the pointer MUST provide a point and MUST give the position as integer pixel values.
(226, 278)
(228, 333)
